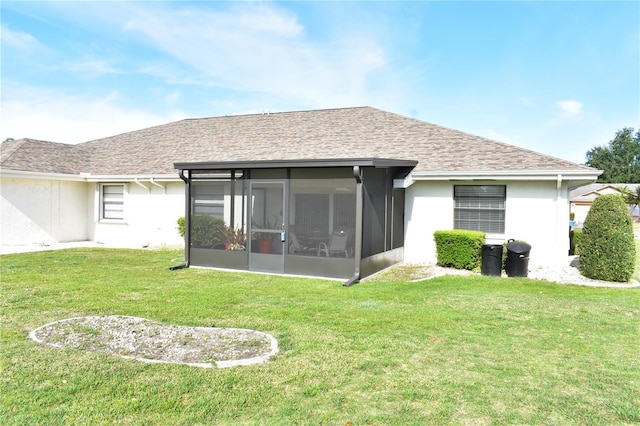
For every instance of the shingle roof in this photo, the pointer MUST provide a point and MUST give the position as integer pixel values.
(41, 156)
(361, 132)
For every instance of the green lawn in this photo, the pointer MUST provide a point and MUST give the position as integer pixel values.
(476, 350)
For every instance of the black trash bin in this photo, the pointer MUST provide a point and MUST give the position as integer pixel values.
(517, 258)
(491, 260)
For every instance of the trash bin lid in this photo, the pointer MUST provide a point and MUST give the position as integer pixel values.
(518, 247)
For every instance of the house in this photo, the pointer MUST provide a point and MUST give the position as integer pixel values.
(371, 185)
(582, 198)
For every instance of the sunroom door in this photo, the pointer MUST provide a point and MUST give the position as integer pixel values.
(267, 230)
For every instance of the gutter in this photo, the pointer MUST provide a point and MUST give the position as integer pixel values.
(22, 174)
(81, 177)
(549, 175)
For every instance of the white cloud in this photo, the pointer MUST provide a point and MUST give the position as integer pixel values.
(569, 108)
(18, 39)
(53, 115)
(173, 97)
(259, 55)
(263, 49)
(92, 67)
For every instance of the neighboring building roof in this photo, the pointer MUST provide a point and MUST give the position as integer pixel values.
(361, 132)
(588, 193)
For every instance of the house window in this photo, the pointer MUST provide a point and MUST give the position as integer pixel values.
(480, 207)
(112, 202)
(208, 199)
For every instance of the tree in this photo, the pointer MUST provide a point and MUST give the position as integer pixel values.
(631, 196)
(620, 160)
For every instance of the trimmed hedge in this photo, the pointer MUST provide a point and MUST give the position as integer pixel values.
(459, 248)
(607, 250)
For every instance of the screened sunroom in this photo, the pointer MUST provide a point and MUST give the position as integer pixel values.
(329, 218)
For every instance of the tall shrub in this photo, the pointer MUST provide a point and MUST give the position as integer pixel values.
(207, 231)
(607, 250)
(459, 248)
(181, 226)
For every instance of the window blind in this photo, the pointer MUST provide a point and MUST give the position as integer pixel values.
(480, 207)
(208, 199)
(113, 202)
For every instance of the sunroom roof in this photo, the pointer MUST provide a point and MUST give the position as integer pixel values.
(301, 163)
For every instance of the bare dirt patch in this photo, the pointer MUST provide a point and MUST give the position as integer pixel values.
(145, 340)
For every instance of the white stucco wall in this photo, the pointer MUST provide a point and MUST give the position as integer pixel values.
(49, 211)
(150, 216)
(42, 211)
(532, 215)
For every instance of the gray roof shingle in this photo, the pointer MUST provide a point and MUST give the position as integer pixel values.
(45, 157)
(361, 132)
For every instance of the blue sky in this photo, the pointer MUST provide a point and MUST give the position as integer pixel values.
(554, 77)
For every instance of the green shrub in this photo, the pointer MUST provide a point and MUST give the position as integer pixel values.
(575, 237)
(607, 250)
(207, 231)
(458, 248)
(181, 226)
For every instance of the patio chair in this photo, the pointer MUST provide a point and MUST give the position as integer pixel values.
(296, 248)
(338, 244)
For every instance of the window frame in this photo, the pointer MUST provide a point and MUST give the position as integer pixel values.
(483, 212)
(106, 200)
(212, 203)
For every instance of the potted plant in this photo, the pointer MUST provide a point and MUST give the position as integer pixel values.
(235, 239)
(266, 239)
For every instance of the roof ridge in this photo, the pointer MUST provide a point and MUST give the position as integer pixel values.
(266, 113)
(214, 117)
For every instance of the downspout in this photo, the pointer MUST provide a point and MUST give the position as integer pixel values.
(558, 211)
(232, 200)
(141, 185)
(187, 222)
(357, 174)
(153, 182)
